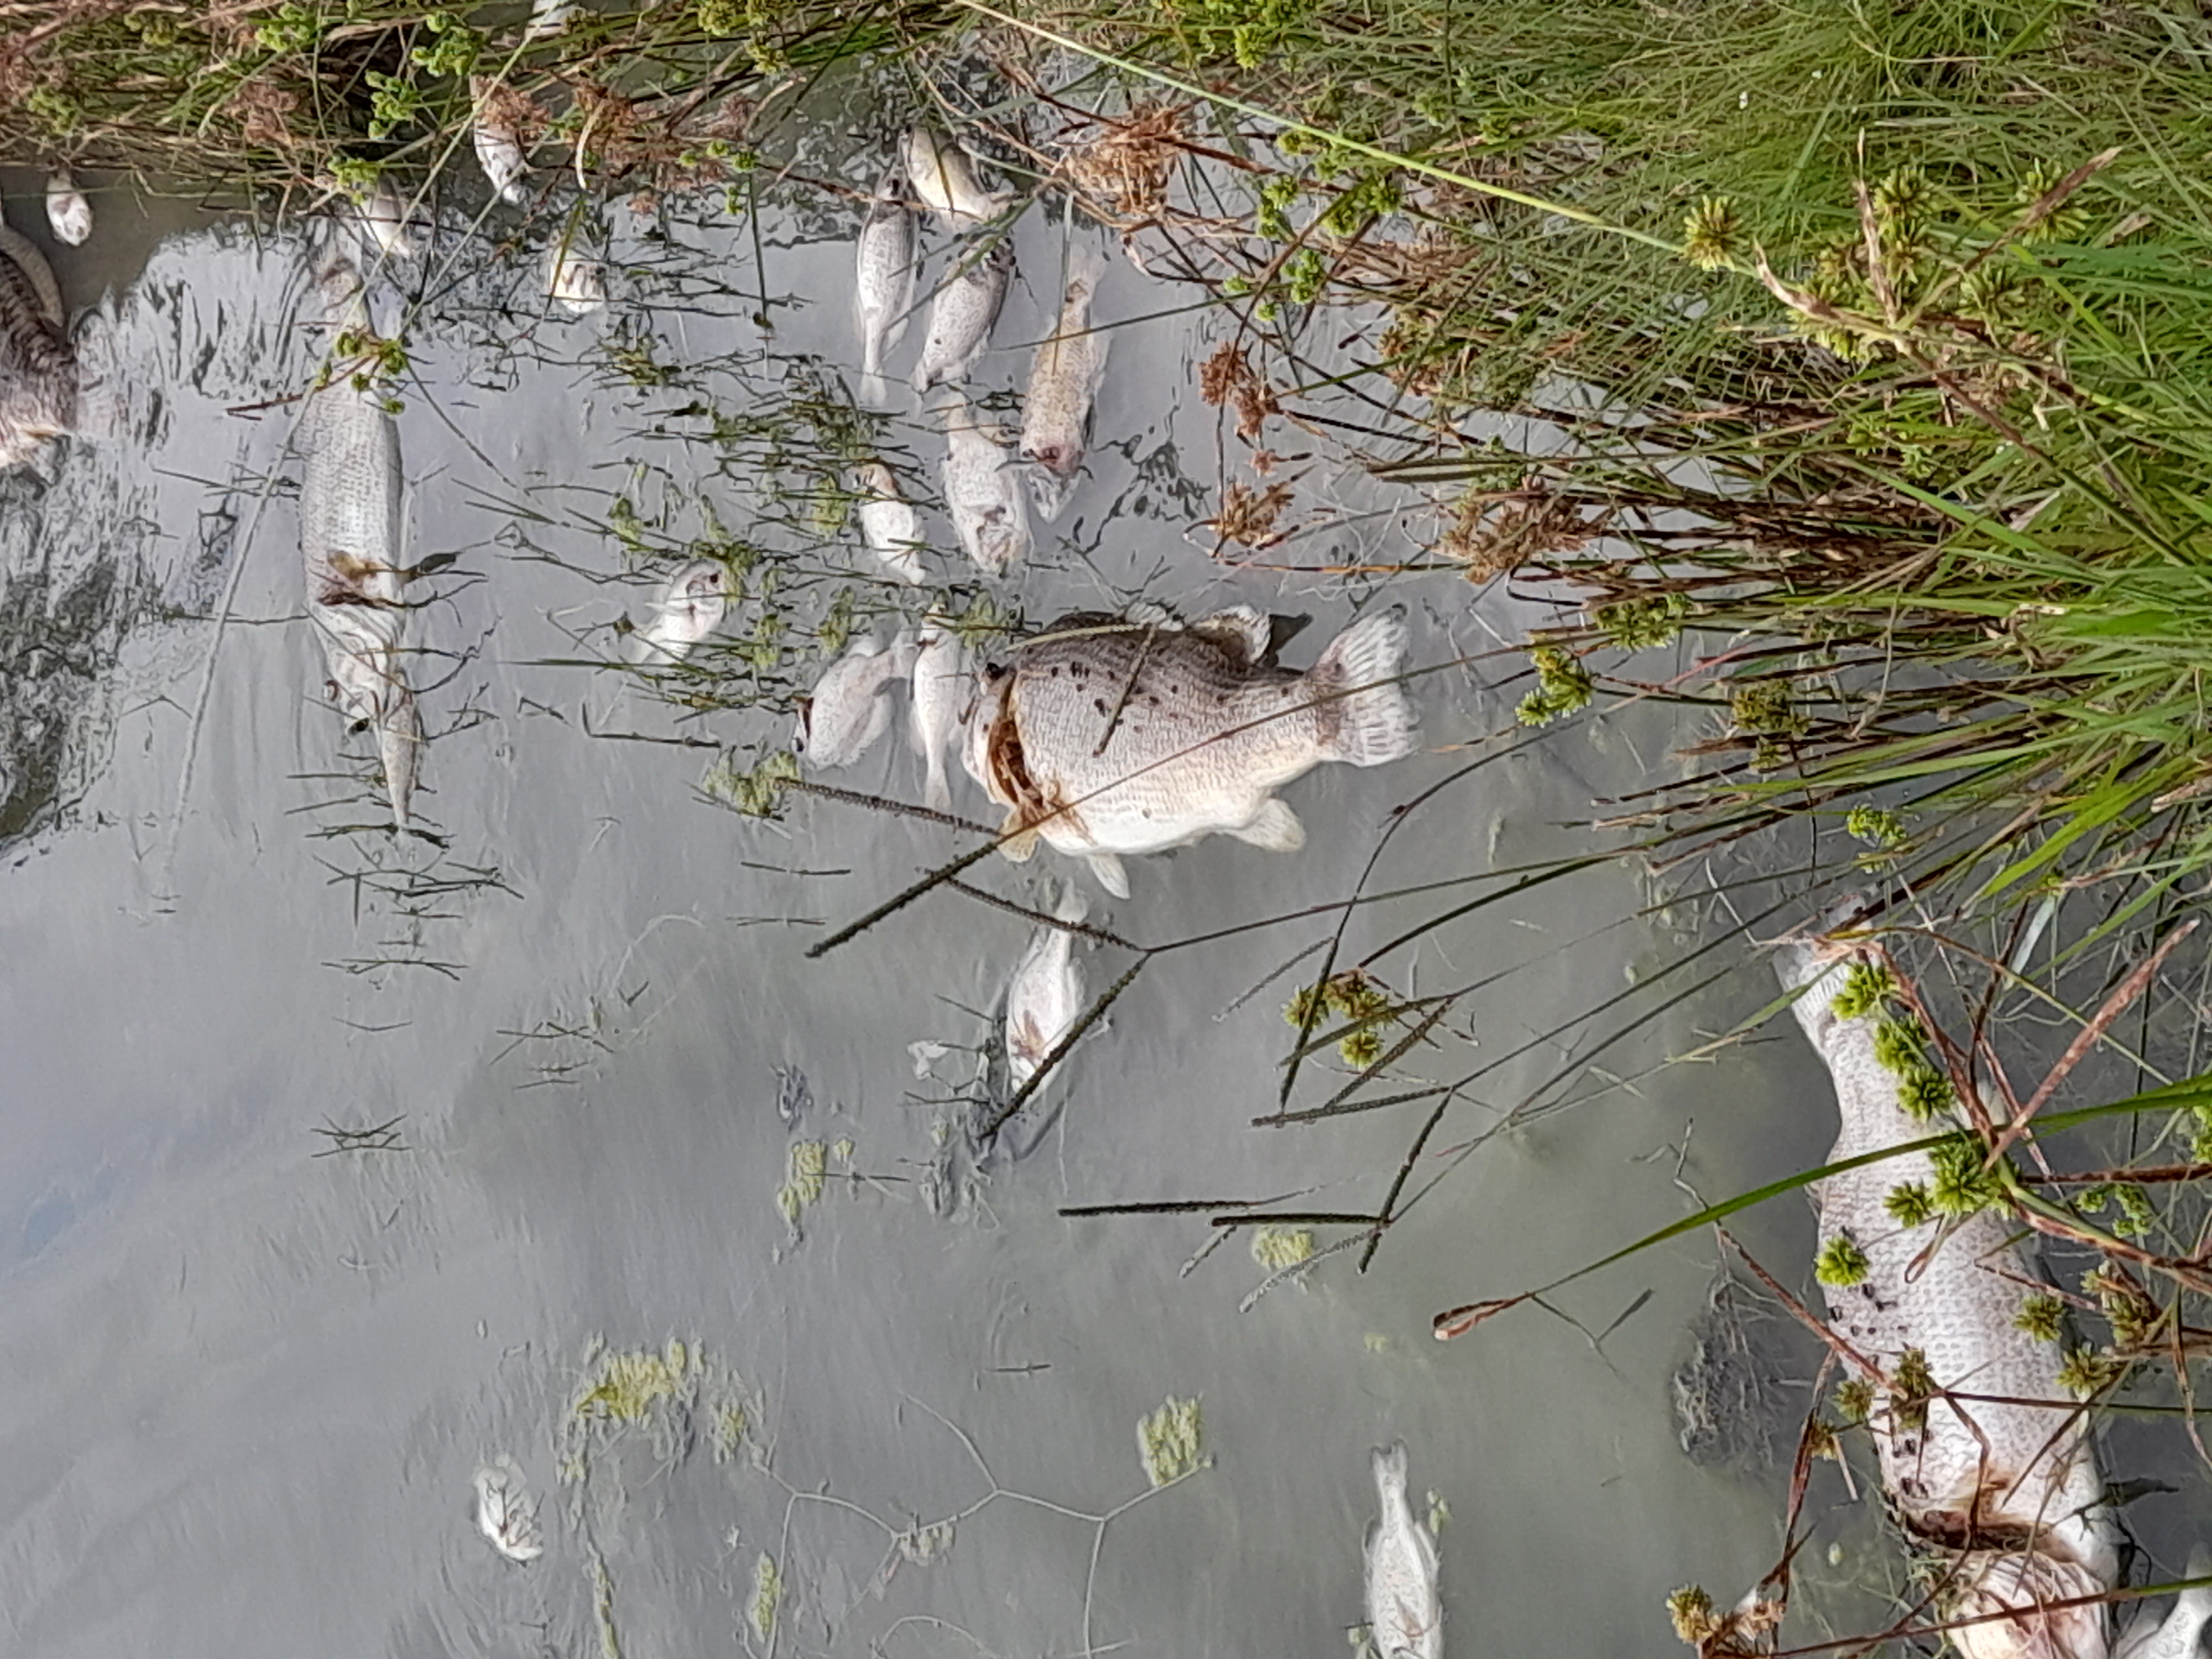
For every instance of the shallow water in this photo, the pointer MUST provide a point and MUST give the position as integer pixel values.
(247, 1384)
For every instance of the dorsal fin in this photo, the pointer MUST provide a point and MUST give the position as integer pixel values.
(1240, 631)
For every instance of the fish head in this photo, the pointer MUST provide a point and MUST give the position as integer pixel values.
(1057, 456)
(399, 747)
(990, 701)
(2011, 1600)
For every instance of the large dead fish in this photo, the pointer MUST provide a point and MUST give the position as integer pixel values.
(941, 686)
(883, 284)
(349, 535)
(1404, 1610)
(1045, 998)
(1063, 381)
(961, 316)
(1106, 736)
(37, 363)
(981, 495)
(943, 174)
(2007, 1485)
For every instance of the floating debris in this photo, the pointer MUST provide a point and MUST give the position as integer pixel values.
(1278, 1248)
(498, 137)
(806, 1168)
(793, 1095)
(1170, 1441)
(768, 1597)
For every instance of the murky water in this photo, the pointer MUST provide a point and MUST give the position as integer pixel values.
(249, 1373)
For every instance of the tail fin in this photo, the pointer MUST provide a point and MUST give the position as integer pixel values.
(936, 792)
(399, 747)
(1366, 719)
(1073, 906)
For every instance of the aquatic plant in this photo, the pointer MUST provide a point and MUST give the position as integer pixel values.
(1278, 1248)
(1169, 1440)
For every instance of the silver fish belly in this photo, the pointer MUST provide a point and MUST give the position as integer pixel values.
(1971, 1477)
(941, 687)
(981, 494)
(962, 315)
(1106, 737)
(882, 292)
(943, 174)
(1063, 381)
(888, 524)
(845, 715)
(349, 535)
(1045, 998)
(1404, 1611)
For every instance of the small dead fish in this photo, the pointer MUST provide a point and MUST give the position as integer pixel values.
(67, 210)
(393, 229)
(1404, 1610)
(2178, 1636)
(574, 279)
(1064, 380)
(505, 1513)
(941, 686)
(1106, 737)
(883, 291)
(943, 174)
(1045, 999)
(840, 721)
(962, 315)
(498, 143)
(689, 609)
(888, 523)
(980, 491)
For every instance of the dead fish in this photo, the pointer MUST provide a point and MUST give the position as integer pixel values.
(962, 315)
(1105, 736)
(1064, 380)
(505, 1513)
(39, 371)
(943, 174)
(845, 715)
(1952, 1290)
(574, 279)
(888, 523)
(385, 217)
(498, 142)
(883, 284)
(1404, 1610)
(67, 210)
(547, 19)
(349, 543)
(979, 491)
(2178, 1636)
(1045, 998)
(689, 609)
(941, 685)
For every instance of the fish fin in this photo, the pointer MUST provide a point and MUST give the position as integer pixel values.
(1146, 613)
(1073, 906)
(1241, 631)
(1274, 826)
(1365, 717)
(1111, 876)
(937, 793)
(1016, 839)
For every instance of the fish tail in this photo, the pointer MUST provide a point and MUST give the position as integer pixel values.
(937, 793)
(400, 745)
(1073, 906)
(1366, 719)
(1389, 1463)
